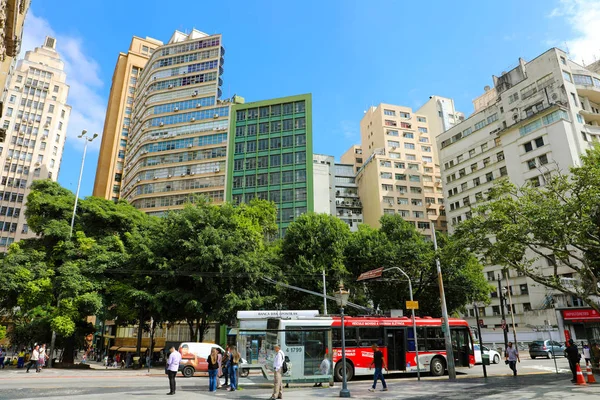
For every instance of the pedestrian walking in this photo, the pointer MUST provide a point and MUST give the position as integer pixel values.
(33, 360)
(587, 354)
(573, 356)
(379, 364)
(213, 370)
(43, 357)
(278, 362)
(512, 357)
(2, 356)
(226, 364)
(21, 358)
(234, 363)
(172, 368)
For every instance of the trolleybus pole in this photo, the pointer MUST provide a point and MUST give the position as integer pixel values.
(341, 297)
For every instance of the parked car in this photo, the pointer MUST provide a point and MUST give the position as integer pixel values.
(194, 357)
(546, 348)
(494, 355)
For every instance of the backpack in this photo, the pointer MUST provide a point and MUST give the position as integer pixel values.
(284, 367)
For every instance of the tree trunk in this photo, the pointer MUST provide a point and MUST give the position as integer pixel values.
(69, 350)
(138, 345)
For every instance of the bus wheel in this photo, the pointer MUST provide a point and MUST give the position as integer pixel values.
(437, 367)
(337, 374)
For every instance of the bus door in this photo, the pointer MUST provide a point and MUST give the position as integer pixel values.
(396, 348)
(460, 346)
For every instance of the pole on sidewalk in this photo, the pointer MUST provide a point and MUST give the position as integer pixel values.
(502, 313)
(512, 311)
(449, 351)
(480, 339)
(324, 295)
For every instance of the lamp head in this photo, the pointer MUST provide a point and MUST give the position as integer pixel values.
(341, 296)
(83, 133)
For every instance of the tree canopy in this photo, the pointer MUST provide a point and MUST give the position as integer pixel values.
(528, 228)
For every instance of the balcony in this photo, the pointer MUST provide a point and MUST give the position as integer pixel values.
(590, 116)
(593, 130)
(590, 91)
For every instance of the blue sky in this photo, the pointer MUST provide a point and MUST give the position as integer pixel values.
(348, 54)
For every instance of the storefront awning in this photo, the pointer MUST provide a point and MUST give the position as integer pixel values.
(131, 349)
(114, 348)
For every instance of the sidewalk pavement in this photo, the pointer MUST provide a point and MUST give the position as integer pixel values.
(540, 386)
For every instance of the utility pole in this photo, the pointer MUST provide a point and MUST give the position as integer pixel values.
(502, 312)
(480, 338)
(324, 294)
(446, 327)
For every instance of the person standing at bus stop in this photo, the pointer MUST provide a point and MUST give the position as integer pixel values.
(380, 364)
(278, 373)
(512, 356)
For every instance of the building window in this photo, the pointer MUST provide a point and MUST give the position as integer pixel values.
(484, 147)
(503, 171)
(528, 147)
(408, 135)
(567, 76)
(543, 159)
(584, 136)
(390, 113)
(422, 129)
(387, 187)
(531, 164)
(563, 60)
(539, 142)
(500, 156)
(389, 122)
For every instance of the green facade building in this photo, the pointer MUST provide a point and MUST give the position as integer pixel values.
(270, 155)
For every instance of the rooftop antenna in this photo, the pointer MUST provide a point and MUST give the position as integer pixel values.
(567, 49)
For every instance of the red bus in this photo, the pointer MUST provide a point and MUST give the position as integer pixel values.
(306, 340)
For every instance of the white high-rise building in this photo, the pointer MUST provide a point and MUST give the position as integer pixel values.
(539, 117)
(35, 118)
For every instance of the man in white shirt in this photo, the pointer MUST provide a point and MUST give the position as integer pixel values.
(172, 368)
(35, 356)
(278, 373)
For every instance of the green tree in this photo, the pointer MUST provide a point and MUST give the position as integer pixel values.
(212, 260)
(313, 243)
(62, 279)
(398, 244)
(557, 224)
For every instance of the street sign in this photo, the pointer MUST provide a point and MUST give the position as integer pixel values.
(503, 324)
(372, 274)
(481, 324)
(412, 305)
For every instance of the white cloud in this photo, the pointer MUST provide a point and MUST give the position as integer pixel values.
(583, 17)
(349, 130)
(88, 105)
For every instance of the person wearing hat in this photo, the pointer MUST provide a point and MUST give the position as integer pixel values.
(573, 357)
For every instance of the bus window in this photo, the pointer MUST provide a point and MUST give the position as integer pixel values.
(367, 337)
(351, 337)
(410, 341)
(293, 338)
(435, 339)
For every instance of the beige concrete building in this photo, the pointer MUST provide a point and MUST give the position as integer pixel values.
(109, 172)
(178, 134)
(35, 119)
(400, 173)
(542, 116)
(353, 156)
(12, 17)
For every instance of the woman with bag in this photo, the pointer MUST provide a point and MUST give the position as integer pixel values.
(220, 370)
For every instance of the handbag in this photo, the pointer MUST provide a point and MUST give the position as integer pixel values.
(506, 362)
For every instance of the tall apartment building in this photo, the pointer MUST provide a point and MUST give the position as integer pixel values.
(348, 206)
(109, 172)
(323, 184)
(539, 117)
(35, 119)
(176, 148)
(400, 173)
(12, 18)
(270, 155)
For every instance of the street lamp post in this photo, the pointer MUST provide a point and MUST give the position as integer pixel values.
(504, 330)
(87, 140)
(414, 321)
(449, 351)
(341, 298)
(476, 307)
